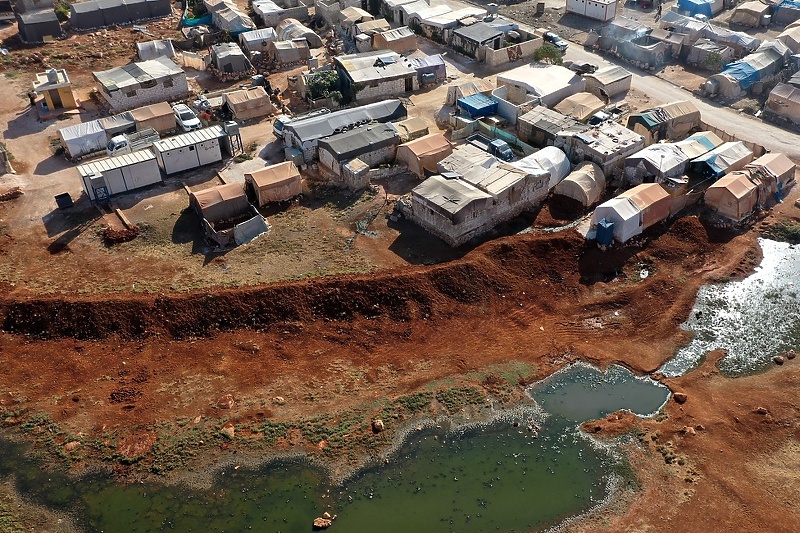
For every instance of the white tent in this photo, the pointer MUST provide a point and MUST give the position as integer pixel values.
(623, 213)
(550, 159)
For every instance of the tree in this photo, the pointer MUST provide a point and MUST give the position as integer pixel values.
(325, 84)
(547, 53)
(713, 62)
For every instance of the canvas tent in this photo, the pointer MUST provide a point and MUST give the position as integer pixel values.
(285, 52)
(703, 47)
(270, 12)
(580, 106)
(725, 158)
(290, 29)
(784, 102)
(248, 103)
(775, 172)
(541, 126)
(137, 9)
(791, 38)
(411, 128)
(86, 16)
(733, 196)
(652, 200)
(423, 154)
(83, 138)
(586, 184)
(786, 12)
(226, 16)
(257, 40)
(219, 203)
(400, 40)
(550, 159)
(153, 49)
(114, 12)
(274, 183)
(749, 14)
(608, 82)
(38, 26)
(670, 121)
(464, 88)
(699, 144)
(157, 116)
(229, 58)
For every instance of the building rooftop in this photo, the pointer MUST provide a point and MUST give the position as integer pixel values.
(376, 65)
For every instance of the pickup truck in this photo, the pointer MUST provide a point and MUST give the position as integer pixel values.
(497, 147)
(131, 142)
(281, 121)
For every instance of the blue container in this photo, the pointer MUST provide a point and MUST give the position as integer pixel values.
(605, 232)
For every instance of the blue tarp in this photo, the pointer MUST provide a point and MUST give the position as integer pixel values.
(478, 105)
(696, 7)
(787, 3)
(205, 20)
(742, 72)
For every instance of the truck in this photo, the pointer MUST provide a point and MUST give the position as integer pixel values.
(281, 121)
(497, 147)
(131, 142)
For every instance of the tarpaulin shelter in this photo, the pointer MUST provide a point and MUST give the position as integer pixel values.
(429, 68)
(478, 105)
(159, 8)
(38, 26)
(117, 124)
(623, 214)
(257, 40)
(691, 8)
(248, 103)
(652, 200)
(695, 29)
(550, 159)
(400, 40)
(274, 183)
(271, 13)
(86, 16)
(655, 163)
(749, 14)
(725, 158)
(541, 125)
(157, 116)
(791, 38)
(284, 52)
(84, 138)
(411, 128)
(153, 49)
(371, 27)
(786, 12)
(699, 144)
(423, 154)
(290, 29)
(463, 88)
(733, 196)
(228, 57)
(673, 120)
(784, 102)
(586, 184)
(703, 47)
(580, 106)
(227, 16)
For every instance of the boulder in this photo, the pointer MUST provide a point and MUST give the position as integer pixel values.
(279, 400)
(791, 354)
(688, 431)
(226, 402)
(228, 430)
(778, 360)
(378, 425)
(761, 411)
(322, 523)
(71, 446)
(680, 397)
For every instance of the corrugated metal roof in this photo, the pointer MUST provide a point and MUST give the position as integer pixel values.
(190, 138)
(479, 32)
(110, 163)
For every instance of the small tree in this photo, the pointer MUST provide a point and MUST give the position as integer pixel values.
(713, 62)
(547, 53)
(325, 84)
(62, 11)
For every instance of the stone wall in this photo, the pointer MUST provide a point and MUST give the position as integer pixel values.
(377, 91)
(453, 234)
(510, 54)
(122, 100)
(372, 159)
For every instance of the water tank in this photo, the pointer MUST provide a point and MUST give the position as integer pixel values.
(605, 232)
(52, 75)
(231, 127)
(492, 9)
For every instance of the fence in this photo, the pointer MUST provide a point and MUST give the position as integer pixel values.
(757, 149)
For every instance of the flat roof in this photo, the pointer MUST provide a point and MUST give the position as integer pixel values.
(111, 163)
(190, 138)
(369, 67)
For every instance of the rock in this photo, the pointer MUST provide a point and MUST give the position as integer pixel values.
(700, 427)
(322, 523)
(761, 411)
(680, 397)
(778, 360)
(688, 431)
(656, 376)
(71, 446)
(226, 402)
(378, 425)
(322, 444)
(279, 400)
(791, 354)
(197, 419)
(228, 430)
(326, 515)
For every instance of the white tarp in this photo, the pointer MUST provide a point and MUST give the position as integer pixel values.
(551, 160)
(84, 138)
(627, 218)
(585, 184)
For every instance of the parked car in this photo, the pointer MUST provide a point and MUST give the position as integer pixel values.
(580, 67)
(186, 118)
(555, 40)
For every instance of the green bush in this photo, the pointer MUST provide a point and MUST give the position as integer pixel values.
(547, 53)
(62, 11)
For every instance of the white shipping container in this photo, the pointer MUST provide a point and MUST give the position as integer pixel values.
(122, 173)
(190, 150)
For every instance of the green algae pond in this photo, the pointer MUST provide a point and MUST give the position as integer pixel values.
(526, 470)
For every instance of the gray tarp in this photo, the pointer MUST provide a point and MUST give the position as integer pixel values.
(250, 229)
(35, 26)
(153, 49)
(116, 124)
(84, 138)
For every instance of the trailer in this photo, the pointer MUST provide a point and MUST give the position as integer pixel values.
(131, 142)
(190, 150)
(114, 175)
